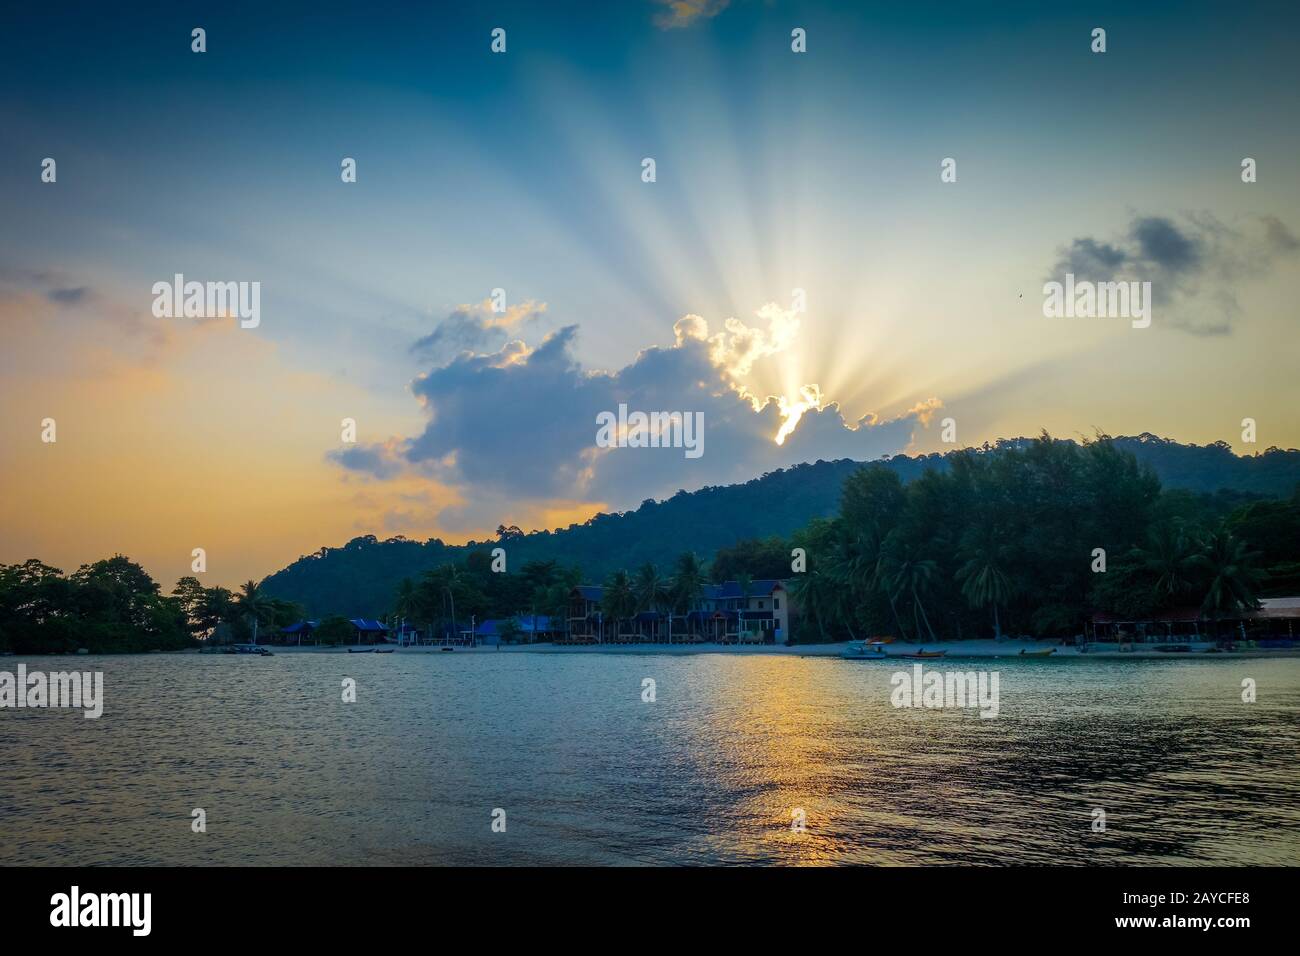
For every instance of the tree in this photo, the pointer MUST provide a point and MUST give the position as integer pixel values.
(217, 607)
(619, 600)
(254, 605)
(983, 579)
(814, 593)
(510, 631)
(335, 629)
(1232, 575)
(907, 574)
(688, 581)
(653, 592)
(191, 595)
(1170, 556)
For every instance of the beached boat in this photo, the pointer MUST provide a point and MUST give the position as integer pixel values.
(1045, 652)
(864, 650)
(447, 647)
(922, 655)
(384, 650)
(361, 650)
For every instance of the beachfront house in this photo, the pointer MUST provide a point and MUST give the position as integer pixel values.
(302, 632)
(584, 624)
(368, 631)
(757, 614)
(729, 613)
(1275, 623)
(520, 629)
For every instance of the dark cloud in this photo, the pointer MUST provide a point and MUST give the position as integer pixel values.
(1192, 264)
(68, 296)
(521, 424)
(1161, 244)
(381, 461)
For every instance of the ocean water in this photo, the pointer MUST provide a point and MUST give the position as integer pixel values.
(711, 772)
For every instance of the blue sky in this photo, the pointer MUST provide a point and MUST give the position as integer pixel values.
(521, 171)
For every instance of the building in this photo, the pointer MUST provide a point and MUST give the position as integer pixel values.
(726, 613)
(368, 631)
(520, 629)
(584, 624)
(762, 611)
(1275, 623)
(301, 632)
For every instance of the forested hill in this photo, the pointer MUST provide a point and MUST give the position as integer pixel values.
(361, 577)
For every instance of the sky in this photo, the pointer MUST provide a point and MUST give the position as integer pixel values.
(798, 269)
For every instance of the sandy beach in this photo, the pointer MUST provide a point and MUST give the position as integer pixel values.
(954, 649)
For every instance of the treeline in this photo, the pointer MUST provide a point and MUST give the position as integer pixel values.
(446, 598)
(364, 573)
(114, 606)
(1013, 542)
(998, 541)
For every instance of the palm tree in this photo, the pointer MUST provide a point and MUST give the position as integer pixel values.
(1234, 579)
(688, 582)
(984, 581)
(814, 592)
(652, 592)
(619, 599)
(254, 604)
(907, 574)
(1170, 555)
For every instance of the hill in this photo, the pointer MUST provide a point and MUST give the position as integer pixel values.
(362, 576)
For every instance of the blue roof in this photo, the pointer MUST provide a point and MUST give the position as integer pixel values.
(300, 626)
(590, 592)
(731, 589)
(530, 623)
(365, 624)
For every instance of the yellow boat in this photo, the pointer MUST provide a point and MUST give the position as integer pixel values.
(1045, 652)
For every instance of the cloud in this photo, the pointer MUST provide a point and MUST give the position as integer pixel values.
(682, 13)
(68, 296)
(477, 328)
(517, 426)
(1193, 264)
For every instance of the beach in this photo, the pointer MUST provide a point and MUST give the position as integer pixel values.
(988, 648)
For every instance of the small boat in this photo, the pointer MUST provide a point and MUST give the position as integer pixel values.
(922, 655)
(361, 650)
(1045, 652)
(256, 650)
(864, 650)
(447, 647)
(384, 650)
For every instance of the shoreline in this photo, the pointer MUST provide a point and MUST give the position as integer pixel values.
(986, 648)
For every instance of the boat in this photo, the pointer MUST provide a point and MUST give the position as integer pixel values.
(446, 647)
(864, 650)
(384, 650)
(922, 655)
(361, 650)
(256, 650)
(1045, 652)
